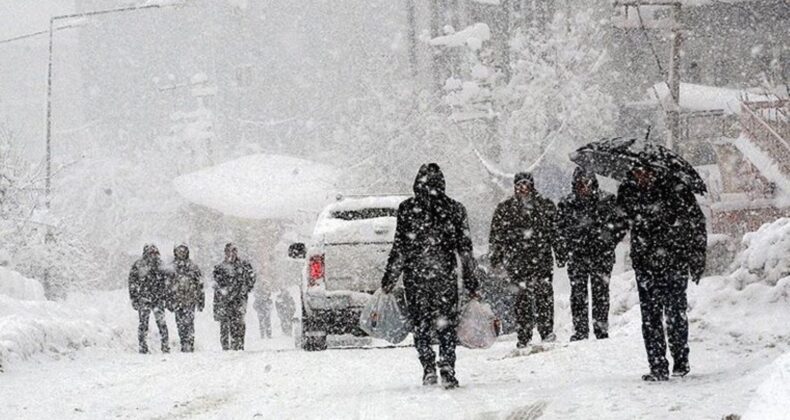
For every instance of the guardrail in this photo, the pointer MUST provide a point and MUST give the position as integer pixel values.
(767, 123)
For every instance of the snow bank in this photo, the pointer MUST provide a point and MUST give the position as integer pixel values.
(773, 395)
(14, 285)
(766, 258)
(261, 186)
(31, 325)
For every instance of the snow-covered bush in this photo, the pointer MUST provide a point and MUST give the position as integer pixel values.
(766, 257)
(30, 325)
(35, 242)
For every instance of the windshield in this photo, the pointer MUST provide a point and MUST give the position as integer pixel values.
(362, 214)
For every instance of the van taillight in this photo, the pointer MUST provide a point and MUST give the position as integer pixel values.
(316, 269)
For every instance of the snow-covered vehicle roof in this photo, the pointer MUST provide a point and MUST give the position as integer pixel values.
(261, 186)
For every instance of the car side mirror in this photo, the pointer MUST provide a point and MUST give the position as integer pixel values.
(297, 251)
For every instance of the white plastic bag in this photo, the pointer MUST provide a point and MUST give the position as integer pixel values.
(477, 328)
(383, 318)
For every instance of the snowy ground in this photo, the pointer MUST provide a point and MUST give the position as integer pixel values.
(593, 379)
(740, 358)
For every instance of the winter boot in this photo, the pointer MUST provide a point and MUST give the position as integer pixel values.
(550, 338)
(655, 377)
(448, 378)
(680, 369)
(429, 376)
(578, 337)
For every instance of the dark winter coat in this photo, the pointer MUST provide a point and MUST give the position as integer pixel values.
(148, 284)
(432, 232)
(592, 226)
(186, 286)
(523, 235)
(668, 231)
(233, 282)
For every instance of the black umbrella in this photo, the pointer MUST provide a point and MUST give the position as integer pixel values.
(617, 157)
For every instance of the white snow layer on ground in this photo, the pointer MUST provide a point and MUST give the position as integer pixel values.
(16, 286)
(31, 325)
(739, 357)
(261, 186)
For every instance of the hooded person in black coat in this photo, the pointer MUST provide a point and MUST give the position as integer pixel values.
(234, 279)
(148, 293)
(432, 232)
(668, 246)
(591, 227)
(523, 235)
(186, 295)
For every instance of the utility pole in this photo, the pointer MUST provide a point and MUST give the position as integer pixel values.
(673, 79)
(52, 20)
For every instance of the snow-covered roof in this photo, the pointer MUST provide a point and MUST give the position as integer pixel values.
(261, 186)
(706, 98)
(472, 36)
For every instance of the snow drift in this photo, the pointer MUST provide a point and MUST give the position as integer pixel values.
(31, 325)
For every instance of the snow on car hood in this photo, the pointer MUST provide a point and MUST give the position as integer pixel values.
(261, 186)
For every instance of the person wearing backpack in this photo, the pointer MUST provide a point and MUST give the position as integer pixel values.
(432, 232)
(186, 295)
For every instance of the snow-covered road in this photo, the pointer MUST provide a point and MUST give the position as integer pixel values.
(593, 379)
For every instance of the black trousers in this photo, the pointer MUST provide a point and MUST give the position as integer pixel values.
(142, 328)
(581, 272)
(445, 328)
(231, 332)
(534, 307)
(434, 313)
(662, 297)
(185, 321)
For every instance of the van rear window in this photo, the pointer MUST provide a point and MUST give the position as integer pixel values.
(362, 214)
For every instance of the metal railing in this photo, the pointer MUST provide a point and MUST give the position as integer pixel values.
(767, 124)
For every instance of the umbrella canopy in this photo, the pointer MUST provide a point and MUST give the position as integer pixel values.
(617, 157)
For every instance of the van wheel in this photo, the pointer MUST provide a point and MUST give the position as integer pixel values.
(315, 343)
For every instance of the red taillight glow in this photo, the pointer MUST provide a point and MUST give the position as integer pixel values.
(316, 269)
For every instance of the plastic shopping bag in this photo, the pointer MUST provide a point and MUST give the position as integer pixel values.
(383, 318)
(478, 327)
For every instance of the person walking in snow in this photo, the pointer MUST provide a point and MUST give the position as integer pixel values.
(432, 233)
(148, 293)
(286, 308)
(234, 279)
(668, 245)
(263, 307)
(591, 227)
(523, 235)
(186, 295)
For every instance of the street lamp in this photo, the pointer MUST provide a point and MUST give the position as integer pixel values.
(52, 29)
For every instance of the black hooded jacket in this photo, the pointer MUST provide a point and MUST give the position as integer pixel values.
(591, 226)
(432, 230)
(668, 231)
(523, 235)
(147, 281)
(185, 284)
(233, 282)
